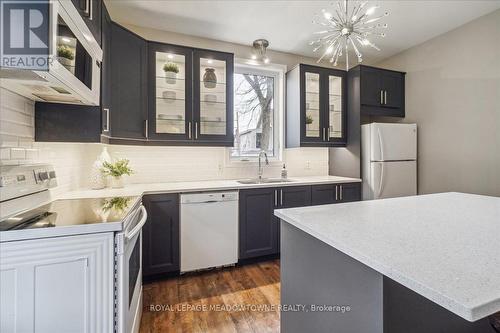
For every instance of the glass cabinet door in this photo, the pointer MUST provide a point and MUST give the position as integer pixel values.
(213, 85)
(335, 107)
(312, 105)
(170, 103)
(313, 114)
(323, 109)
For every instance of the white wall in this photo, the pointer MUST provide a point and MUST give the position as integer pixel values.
(453, 94)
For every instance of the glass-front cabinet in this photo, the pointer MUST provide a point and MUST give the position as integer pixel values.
(316, 107)
(213, 96)
(170, 98)
(190, 101)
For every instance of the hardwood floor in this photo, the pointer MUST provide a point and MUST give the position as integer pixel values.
(238, 299)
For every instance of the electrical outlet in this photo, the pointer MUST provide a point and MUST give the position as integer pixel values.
(308, 165)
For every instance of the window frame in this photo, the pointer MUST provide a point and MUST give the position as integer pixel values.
(277, 71)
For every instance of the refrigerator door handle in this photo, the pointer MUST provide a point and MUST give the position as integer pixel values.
(381, 184)
(381, 145)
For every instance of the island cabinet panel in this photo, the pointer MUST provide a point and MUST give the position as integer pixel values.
(160, 249)
(335, 193)
(258, 227)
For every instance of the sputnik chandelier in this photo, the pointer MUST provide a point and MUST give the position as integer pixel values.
(345, 27)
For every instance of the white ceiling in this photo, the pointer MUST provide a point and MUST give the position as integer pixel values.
(287, 24)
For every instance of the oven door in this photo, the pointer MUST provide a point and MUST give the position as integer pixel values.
(129, 275)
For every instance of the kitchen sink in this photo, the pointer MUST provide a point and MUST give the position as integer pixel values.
(264, 181)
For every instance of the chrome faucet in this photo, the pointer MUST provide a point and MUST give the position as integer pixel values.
(261, 169)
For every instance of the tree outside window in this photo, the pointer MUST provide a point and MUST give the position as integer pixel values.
(253, 115)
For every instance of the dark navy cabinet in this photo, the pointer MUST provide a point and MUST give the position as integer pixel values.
(90, 11)
(160, 235)
(124, 86)
(316, 107)
(258, 227)
(381, 91)
(335, 193)
(190, 94)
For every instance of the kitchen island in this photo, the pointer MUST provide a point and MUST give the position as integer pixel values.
(425, 263)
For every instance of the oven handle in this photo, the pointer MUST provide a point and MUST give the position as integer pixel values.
(130, 234)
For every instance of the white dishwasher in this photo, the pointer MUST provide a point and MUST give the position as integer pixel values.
(209, 230)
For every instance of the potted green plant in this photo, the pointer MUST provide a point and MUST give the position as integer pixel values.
(66, 56)
(309, 119)
(116, 170)
(171, 69)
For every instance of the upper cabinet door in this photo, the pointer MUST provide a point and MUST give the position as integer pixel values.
(393, 89)
(213, 97)
(170, 99)
(336, 107)
(90, 11)
(382, 92)
(312, 104)
(371, 91)
(128, 84)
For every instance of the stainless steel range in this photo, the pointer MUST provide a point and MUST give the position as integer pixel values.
(28, 216)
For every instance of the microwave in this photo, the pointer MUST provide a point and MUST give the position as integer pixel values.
(67, 67)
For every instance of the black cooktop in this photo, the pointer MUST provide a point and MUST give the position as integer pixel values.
(72, 212)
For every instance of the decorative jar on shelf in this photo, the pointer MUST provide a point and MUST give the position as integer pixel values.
(209, 78)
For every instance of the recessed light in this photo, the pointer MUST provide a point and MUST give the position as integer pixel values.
(169, 56)
(210, 61)
(66, 39)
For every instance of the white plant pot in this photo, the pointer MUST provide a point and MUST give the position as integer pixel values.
(116, 182)
(67, 63)
(170, 77)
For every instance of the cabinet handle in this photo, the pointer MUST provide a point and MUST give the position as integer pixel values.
(275, 198)
(281, 197)
(336, 193)
(341, 190)
(385, 97)
(328, 134)
(196, 130)
(146, 128)
(105, 125)
(189, 130)
(324, 134)
(381, 97)
(88, 9)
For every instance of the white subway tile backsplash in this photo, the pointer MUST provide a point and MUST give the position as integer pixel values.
(17, 153)
(4, 153)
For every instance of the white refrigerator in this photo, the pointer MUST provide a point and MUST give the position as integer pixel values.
(389, 160)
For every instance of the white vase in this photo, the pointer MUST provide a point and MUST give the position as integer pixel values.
(117, 182)
(97, 178)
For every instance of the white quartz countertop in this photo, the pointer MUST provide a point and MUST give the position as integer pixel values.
(445, 247)
(199, 186)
